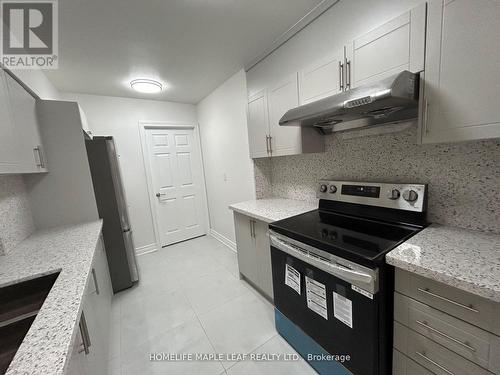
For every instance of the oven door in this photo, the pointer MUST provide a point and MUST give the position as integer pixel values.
(321, 295)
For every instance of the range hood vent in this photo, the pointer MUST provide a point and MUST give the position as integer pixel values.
(394, 99)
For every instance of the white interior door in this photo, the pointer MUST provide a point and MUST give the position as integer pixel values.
(177, 183)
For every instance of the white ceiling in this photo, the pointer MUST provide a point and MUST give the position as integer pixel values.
(190, 45)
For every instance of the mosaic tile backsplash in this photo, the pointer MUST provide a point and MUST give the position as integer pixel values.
(16, 221)
(463, 178)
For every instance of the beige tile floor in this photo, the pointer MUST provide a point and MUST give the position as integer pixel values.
(191, 300)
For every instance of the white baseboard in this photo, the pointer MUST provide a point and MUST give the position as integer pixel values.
(223, 239)
(146, 249)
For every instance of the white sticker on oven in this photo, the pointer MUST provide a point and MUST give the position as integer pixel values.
(292, 278)
(342, 309)
(316, 297)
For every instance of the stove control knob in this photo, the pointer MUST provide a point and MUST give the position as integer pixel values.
(410, 195)
(393, 194)
(323, 188)
(333, 189)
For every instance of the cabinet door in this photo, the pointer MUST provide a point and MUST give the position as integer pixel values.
(97, 317)
(9, 147)
(263, 251)
(393, 47)
(285, 140)
(258, 125)
(245, 244)
(98, 310)
(321, 79)
(462, 84)
(75, 366)
(23, 109)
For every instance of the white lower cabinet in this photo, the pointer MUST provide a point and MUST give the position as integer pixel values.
(89, 354)
(443, 329)
(254, 252)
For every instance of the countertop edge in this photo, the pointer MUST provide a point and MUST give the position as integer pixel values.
(465, 286)
(270, 210)
(30, 351)
(251, 214)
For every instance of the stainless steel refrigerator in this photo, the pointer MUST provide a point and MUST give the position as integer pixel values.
(112, 207)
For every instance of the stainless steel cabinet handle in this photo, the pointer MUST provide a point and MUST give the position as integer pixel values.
(267, 143)
(348, 74)
(271, 144)
(465, 345)
(422, 355)
(426, 116)
(158, 195)
(252, 228)
(428, 292)
(95, 281)
(341, 76)
(39, 157)
(85, 335)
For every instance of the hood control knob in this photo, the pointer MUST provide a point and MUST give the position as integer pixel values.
(410, 195)
(333, 189)
(393, 194)
(323, 188)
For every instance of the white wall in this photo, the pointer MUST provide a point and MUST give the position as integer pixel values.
(119, 117)
(224, 138)
(38, 83)
(341, 23)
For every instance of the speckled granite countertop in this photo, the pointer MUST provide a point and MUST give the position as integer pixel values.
(269, 210)
(457, 257)
(70, 250)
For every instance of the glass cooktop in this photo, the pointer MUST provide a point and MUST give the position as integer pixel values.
(361, 240)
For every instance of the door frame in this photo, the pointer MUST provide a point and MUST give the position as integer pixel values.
(143, 127)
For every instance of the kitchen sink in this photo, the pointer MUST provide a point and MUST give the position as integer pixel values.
(20, 304)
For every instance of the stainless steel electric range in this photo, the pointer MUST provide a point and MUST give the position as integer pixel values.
(333, 292)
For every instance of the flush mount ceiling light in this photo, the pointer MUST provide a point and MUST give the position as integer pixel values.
(147, 86)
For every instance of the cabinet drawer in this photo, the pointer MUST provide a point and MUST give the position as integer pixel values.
(460, 337)
(431, 355)
(466, 306)
(402, 365)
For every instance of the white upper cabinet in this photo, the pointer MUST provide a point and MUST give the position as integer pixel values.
(390, 48)
(322, 79)
(9, 142)
(23, 112)
(85, 123)
(258, 125)
(265, 136)
(462, 82)
(285, 140)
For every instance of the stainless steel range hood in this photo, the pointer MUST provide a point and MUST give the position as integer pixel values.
(394, 99)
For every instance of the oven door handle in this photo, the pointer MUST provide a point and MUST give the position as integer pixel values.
(336, 270)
